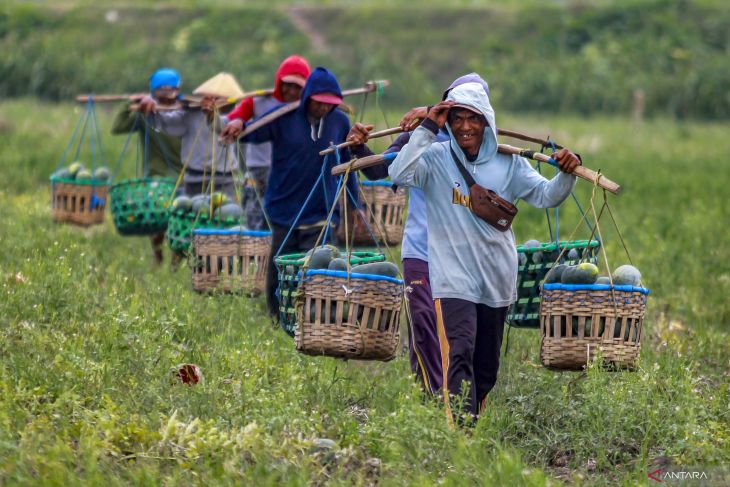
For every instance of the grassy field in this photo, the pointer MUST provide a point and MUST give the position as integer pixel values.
(89, 333)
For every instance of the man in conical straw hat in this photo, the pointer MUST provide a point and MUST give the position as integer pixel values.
(201, 153)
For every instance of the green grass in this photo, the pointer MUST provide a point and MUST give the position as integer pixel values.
(89, 332)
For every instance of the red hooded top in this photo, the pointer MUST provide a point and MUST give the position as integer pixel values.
(291, 65)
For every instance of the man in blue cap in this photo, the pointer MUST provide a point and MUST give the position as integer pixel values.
(162, 150)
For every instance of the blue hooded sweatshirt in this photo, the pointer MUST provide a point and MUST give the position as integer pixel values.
(295, 160)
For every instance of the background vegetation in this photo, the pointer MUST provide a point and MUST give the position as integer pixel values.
(579, 57)
(89, 331)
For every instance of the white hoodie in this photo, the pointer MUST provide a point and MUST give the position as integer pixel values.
(468, 258)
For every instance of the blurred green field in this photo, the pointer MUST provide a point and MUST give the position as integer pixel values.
(89, 332)
(585, 57)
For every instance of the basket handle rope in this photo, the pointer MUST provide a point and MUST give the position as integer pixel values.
(125, 147)
(81, 123)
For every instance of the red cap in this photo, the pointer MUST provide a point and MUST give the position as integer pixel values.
(330, 98)
(294, 78)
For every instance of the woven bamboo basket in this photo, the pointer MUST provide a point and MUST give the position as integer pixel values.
(230, 260)
(79, 202)
(578, 321)
(525, 312)
(386, 214)
(288, 267)
(140, 206)
(180, 226)
(354, 318)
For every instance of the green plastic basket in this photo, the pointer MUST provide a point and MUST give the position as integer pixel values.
(181, 224)
(288, 267)
(525, 312)
(139, 206)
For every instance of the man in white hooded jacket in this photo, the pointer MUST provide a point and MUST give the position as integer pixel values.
(473, 265)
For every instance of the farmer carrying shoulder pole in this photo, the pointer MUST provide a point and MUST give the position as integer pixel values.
(423, 341)
(289, 81)
(296, 165)
(163, 151)
(200, 144)
(472, 255)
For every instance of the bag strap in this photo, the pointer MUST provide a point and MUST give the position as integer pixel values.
(469, 179)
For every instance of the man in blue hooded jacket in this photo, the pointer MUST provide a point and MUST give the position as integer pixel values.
(296, 167)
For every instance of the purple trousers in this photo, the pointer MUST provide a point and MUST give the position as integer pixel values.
(471, 337)
(423, 340)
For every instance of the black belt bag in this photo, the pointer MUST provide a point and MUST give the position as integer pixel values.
(485, 203)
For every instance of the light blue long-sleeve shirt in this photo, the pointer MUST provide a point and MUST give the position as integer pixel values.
(468, 258)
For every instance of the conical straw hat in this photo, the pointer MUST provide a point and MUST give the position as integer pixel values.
(222, 84)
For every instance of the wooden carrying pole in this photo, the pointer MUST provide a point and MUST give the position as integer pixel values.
(397, 130)
(371, 135)
(369, 87)
(110, 98)
(581, 171)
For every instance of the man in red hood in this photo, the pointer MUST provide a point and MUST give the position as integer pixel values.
(290, 79)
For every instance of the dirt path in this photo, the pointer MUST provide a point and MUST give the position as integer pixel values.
(298, 17)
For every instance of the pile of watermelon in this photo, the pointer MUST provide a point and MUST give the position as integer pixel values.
(328, 257)
(587, 273)
(223, 208)
(76, 171)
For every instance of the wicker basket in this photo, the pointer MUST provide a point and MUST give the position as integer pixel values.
(81, 203)
(230, 260)
(355, 318)
(288, 267)
(576, 321)
(180, 226)
(525, 312)
(387, 207)
(139, 206)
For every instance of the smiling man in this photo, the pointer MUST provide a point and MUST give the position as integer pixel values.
(472, 264)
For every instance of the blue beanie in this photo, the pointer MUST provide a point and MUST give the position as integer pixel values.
(164, 77)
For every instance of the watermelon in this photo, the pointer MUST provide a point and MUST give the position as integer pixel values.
(521, 259)
(229, 211)
(573, 254)
(603, 280)
(74, 168)
(387, 269)
(102, 174)
(537, 257)
(201, 204)
(627, 275)
(182, 203)
(338, 264)
(320, 258)
(585, 273)
(84, 175)
(218, 199)
(555, 274)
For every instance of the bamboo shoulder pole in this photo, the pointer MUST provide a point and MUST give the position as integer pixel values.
(369, 87)
(371, 135)
(110, 98)
(581, 171)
